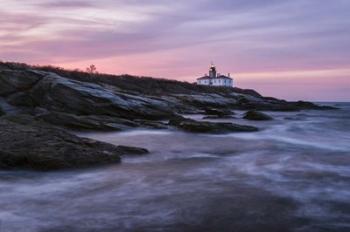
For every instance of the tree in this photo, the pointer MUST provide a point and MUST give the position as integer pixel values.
(91, 69)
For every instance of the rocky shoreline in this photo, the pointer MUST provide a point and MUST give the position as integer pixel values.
(38, 105)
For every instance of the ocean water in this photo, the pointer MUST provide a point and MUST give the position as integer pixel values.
(293, 175)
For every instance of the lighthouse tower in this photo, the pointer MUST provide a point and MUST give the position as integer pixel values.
(212, 71)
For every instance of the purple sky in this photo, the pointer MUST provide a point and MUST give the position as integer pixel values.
(297, 49)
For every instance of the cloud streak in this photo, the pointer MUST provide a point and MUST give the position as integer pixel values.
(65, 4)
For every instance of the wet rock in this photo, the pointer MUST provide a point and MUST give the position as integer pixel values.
(126, 150)
(26, 144)
(218, 112)
(218, 117)
(2, 112)
(151, 124)
(256, 115)
(309, 105)
(209, 127)
(95, 122)
(213, 113)
(87, 122)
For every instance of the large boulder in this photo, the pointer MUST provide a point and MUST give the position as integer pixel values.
(256, 115)
(33, 88)
(208, 127)
(57, 93)
(27, 144)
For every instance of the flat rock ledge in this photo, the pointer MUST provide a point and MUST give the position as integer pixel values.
(194, 126)
(26, 144)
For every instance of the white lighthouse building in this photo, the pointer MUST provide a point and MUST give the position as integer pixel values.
(215, 79)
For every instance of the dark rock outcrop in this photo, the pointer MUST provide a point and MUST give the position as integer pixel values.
(309, 105)
(27, 144)
(208, 127)
(127, 150)
(212, 113)
(36, 98)
(256, 115)
(92, 99)
(49, 91)
(87, 122)
(2, 112)
(218, 112)
(77, 100)
(14, 81)
(219, 117)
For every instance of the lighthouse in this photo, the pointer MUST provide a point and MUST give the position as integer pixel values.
(215, 79)
(212, 71)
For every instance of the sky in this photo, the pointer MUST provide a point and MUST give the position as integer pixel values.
(291, 49)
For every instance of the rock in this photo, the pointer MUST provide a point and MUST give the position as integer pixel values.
(218, 117)
(126, 150)
(81, 98)
(218, 112)
(12, 81)
(206, 100)
(208, 127)
(95, 122)
(21, 99)
(213, 113)
(256, 115)
(8, 108)
(26, 144)
(87, 122)
(33, 88)
(2, 112)
(21, 119)
(309, 105)
(105, 102)
(303, 104)
(151, 124)
(250, 92)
